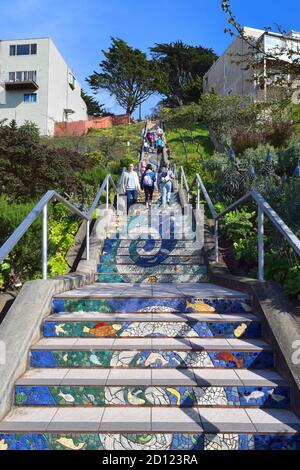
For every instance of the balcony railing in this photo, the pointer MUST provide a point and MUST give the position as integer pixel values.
(20, 81)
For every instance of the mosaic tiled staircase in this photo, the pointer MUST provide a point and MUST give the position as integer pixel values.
(154, 366)
(129, 256)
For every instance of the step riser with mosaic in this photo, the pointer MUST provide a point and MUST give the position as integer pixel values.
(183, 397)
(147, 260)
(155, 305)
(152, 358)
(151, 279)
(141, 233)
(140, 243)
(200, 329)
(162, 253)
(150, 441)
(152, 270)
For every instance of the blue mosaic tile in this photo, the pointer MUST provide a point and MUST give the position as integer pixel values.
(225, 359)
(242, 359)
(84, 329)
(276, 442)
(38, 395)
(129, 305)
(278, 397)
(150, 441)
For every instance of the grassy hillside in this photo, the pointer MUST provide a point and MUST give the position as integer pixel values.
(110, 144)
(189, 147)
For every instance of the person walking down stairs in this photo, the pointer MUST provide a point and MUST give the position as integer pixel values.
(131, 185)
(147, 184)
(165, 178)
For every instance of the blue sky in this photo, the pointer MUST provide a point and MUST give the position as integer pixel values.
(81, 29)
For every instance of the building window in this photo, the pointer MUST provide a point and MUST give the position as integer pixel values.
(23, 49)
(30, 98)
(72, 81)
(33, 49)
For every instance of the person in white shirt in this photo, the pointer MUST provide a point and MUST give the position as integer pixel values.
(131, 185)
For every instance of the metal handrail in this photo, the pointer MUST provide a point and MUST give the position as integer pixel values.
(183, 180)
(42, 207)
(263, 208)
(201, 186)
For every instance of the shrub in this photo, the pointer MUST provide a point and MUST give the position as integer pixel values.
(28, 168)
(289, 157)
(24, 262)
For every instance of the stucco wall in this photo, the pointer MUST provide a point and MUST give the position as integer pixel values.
(61, 95)
(81, 127)
(226, 76)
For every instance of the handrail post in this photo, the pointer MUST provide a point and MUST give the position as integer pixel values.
(198, 197)
(107, 193)
(260, 232)
(87, 240)
(44, 241)
(216, 236)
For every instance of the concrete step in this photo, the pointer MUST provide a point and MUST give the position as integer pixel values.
(87, 325)
(152, 352)
(191, 377)
(234, 421)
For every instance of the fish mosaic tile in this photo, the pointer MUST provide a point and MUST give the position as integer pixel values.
(191, 329)
(74, 395)
(148, 441)
(130, 305)
(130, 358)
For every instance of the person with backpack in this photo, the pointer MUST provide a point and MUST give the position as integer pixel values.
(147, 183)
(165, 178)
(159, 145)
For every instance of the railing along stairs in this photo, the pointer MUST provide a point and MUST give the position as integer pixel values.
(263, 208)
(42, 207)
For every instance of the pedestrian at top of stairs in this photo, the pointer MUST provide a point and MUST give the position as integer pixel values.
(147, 184)
(159, 143)
(151, 139)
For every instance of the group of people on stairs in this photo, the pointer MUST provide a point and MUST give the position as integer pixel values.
(132, 184)
(153, 141)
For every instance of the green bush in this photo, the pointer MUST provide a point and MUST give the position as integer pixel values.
(24, 262)
(289, 157)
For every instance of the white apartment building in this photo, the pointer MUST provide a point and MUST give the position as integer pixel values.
(229, 75)
(37, 85)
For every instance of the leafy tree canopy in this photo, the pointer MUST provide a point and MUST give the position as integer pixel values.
(94, 108)
(127, 74)
(182, 68)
